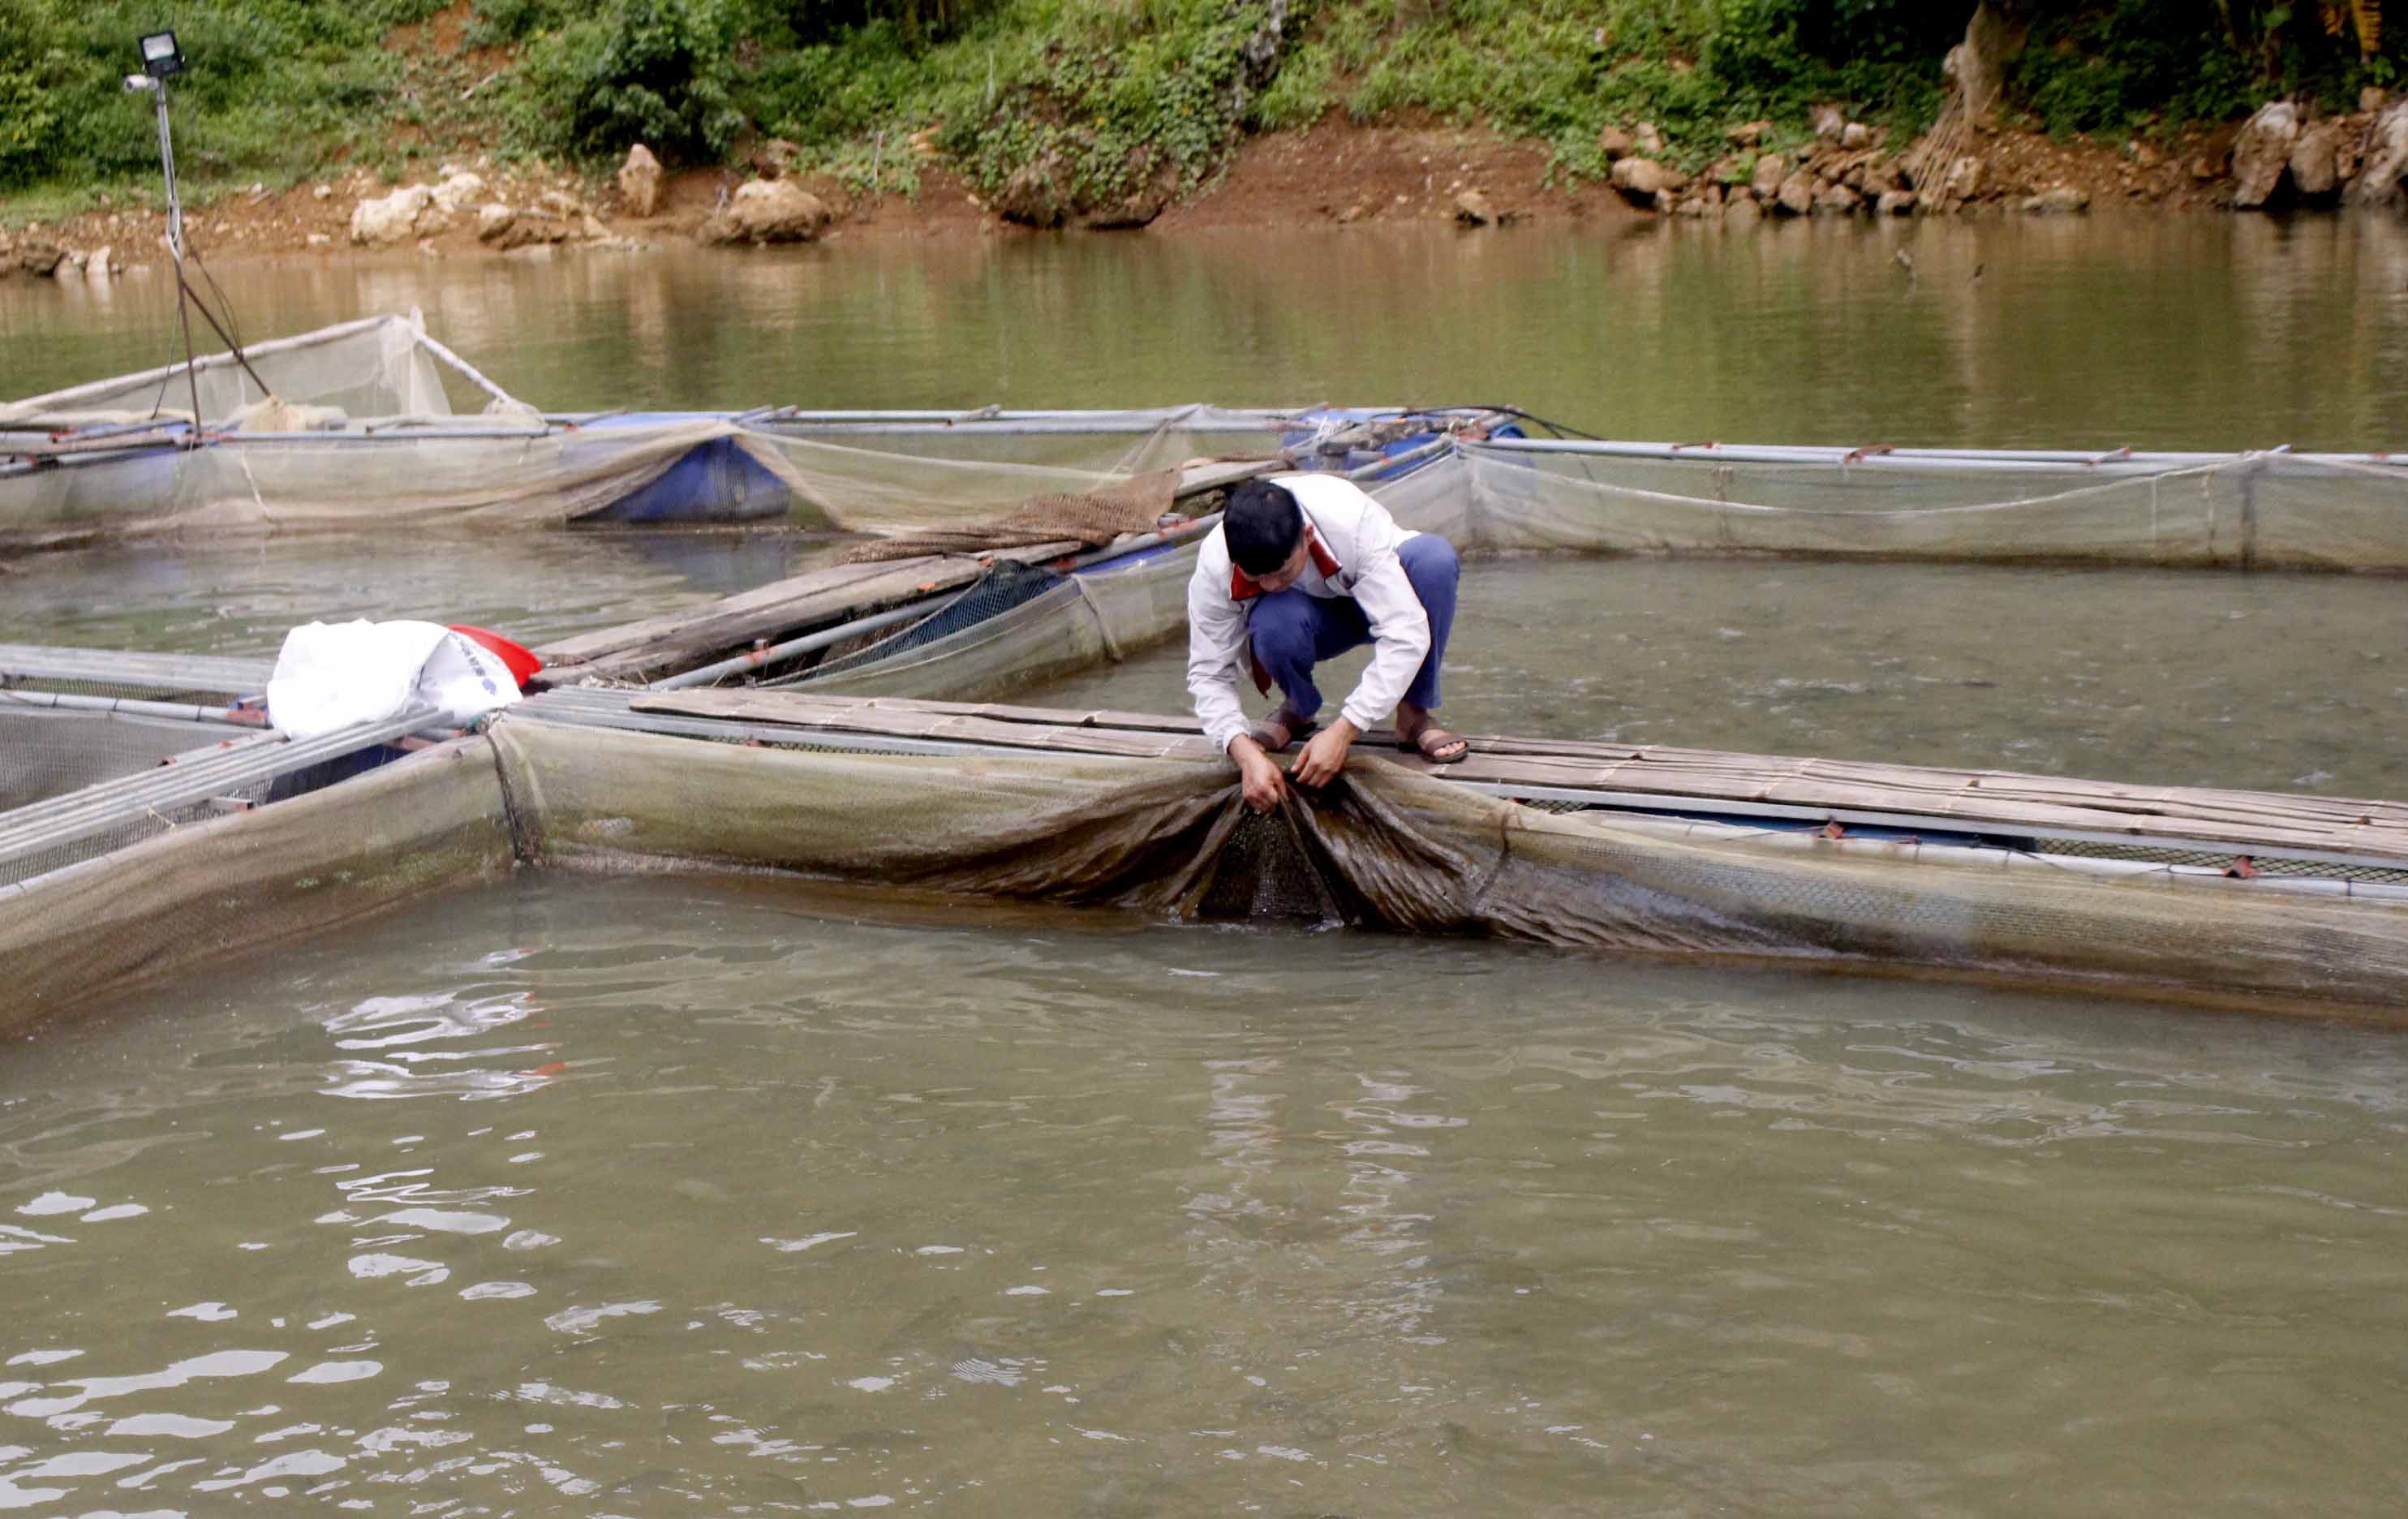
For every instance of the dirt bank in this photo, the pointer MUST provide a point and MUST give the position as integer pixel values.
(1332, 174)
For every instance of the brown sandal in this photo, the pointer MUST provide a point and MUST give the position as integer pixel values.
(1430, 738)
(1282, 718)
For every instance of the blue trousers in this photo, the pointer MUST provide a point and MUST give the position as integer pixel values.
(1293, 631)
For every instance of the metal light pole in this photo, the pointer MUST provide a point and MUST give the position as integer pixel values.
(161, 60)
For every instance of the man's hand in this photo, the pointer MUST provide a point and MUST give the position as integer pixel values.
(1324, 753)
(1257, 775)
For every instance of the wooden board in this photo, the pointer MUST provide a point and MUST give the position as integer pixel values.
(680, 640)
(1689, 779)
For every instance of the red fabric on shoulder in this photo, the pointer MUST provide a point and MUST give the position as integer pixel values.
(1245, 587)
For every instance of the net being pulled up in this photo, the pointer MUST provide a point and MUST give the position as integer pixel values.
(1383, 849)
(1399, 852)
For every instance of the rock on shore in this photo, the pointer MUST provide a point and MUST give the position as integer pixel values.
(2262, 154)
(767, 211)
(2387, 159)
(640, 183)
(2282, 155)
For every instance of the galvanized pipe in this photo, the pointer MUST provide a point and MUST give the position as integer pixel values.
(456, 362)
(792, 647)
(131, 706)
(253, 756)
(1428, 451)
(2107, 461)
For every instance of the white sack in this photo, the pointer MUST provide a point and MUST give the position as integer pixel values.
(333, 675)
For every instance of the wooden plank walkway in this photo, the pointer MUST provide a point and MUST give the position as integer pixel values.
(679, 641)
(682, 640)
(1661, 776)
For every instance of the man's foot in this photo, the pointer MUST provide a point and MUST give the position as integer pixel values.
(1433, 743)
(1281, 729)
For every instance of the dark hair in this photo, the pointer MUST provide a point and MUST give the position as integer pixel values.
(1263, 524)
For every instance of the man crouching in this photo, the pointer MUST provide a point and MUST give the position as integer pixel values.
(1304, 568)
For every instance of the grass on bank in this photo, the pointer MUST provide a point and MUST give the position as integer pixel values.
(1106, 92)
(277, 88)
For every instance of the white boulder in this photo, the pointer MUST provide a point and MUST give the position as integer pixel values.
(390, 219)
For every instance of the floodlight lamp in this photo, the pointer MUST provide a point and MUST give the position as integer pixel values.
(161, 57)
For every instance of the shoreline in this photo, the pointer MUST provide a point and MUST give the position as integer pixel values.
(1334, 174)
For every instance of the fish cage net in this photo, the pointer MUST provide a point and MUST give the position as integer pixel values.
(71, 719)
(357, 426)
(381, 366)
(49, 752)
(2226, 861)
(514, 474)
(1383, 849)
(1027, 629)
(2214, 861)
(1005, 587)
(1392, 850)
(127, 828)
(85, 734)
(2269, 510)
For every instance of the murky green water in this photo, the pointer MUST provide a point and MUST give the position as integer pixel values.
(669, 1196)
(2277, 681)
(242, 595)
(2180, 332)
(655, 1197)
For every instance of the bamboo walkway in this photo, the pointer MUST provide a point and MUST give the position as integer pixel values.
(1661, 778)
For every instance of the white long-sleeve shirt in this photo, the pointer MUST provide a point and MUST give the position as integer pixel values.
(1356, 543)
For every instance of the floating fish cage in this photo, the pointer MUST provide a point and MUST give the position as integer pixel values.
(151, 819)
(358, 427)
(2272, 903)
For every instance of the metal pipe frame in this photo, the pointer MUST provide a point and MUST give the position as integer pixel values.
(131, 706)
(2114, 461)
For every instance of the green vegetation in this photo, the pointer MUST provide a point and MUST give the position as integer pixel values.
(1559, 70)
(277, 86)
(1098, 94)
(2123, 67)
(1108, 93)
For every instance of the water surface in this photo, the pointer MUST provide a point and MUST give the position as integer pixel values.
(634, 1197)
(669, 1195)
(2280, 682)
(2172, 332)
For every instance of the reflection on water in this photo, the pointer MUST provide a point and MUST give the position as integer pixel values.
(2166, 332)
(700, 1196)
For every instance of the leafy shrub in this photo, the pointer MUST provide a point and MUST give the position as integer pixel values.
(651, 71)
(2126, 66)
